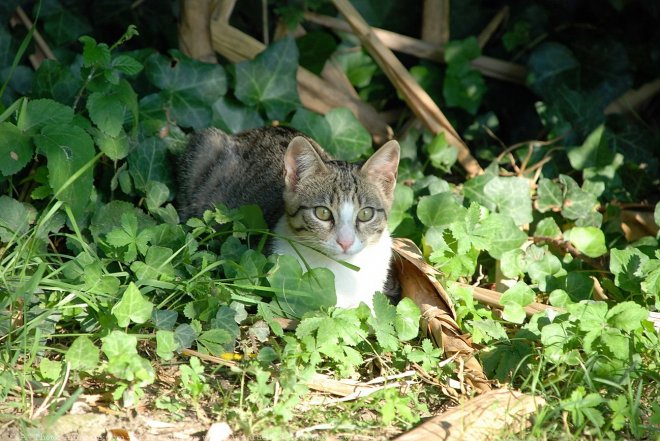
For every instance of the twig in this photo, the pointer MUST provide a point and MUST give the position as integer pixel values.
(38, 39)
(418, 100)
(492, 26)
(264, 21)
(488, 66)
(633, 99)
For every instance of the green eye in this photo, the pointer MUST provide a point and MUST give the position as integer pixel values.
(366, 214)
(323, 213)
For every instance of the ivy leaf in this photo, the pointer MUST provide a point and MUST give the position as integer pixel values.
(512, 197)
(549, 195)
(463, 86)
(403, 200)
(233, 117)
(407, 318)
(440, 210)
(313, 125)
(577, 202)
(133, 306)
(588, 240)
(156, 265)
(149, 162)
(547, 227)
(56, 80)
(166, 344)
(594, 152)
(189, 86)
(502, 233)
(514, 300)
(68, 149)
(50, 369)
(157, 194)
(270, 79)
(297, 293)
(82, 355)
(118, 344)
(349, 139)
(15, 149)
(164, 319)
(551, 64)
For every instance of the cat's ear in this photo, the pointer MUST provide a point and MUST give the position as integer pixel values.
(300, 160)
(381, 168)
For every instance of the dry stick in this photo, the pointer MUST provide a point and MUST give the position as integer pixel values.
(38, 39)
(194, 32)
(435, 22)
(419, 101)
(488, 66)
(492, 26)
(633, 99)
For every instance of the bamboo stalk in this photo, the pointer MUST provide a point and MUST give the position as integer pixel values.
(634, 99)
(418, 100)
(488, 66)
(194, 32)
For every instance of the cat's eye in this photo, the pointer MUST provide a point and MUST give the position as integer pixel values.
(366, 214)
(323, 213)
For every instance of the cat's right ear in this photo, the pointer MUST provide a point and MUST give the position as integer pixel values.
(300, 160)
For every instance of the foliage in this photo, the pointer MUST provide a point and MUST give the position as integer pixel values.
(99, 278)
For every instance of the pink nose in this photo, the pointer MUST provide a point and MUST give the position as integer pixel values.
(345, 243)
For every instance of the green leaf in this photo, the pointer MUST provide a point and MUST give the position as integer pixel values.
(549, 195)
(627, 316)
(164, 319)
(114, 147)
(188, 86)
(656, 214)
(577, 202)
(215, 341)
(403, 200)
(407, 319)
(50, 369)
(126, 64)
(349, 139)
(94, 53)
(485, 331)
(514, 300)
(15, 219)
(133, 306)
(442, 155)
(232, 117)
(547, 227)
(439, 210)
(297, 293)
(358, 66)
(43, 112)
(157, 194)
(512, 197)
(626, 265)
(589, 315)
(617, 343)
(588, 240)
(82, 355)
(594, 152)
(127, 235)
(313, 125)
(107, 111)
(551, 64)
(383, 323)
(56, 80)
(166, 344)
(502, 233)
(156, 265)
(68, 149)
(149, 162)
(270, 79)
(15, 149)
(463, 86)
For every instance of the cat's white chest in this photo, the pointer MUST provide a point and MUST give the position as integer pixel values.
(351, 286)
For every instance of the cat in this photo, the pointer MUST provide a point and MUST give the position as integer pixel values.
(322, 210)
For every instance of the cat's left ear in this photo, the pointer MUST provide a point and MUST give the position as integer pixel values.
(382, 166)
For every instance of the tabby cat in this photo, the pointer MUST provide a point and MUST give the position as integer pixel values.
(322, 210)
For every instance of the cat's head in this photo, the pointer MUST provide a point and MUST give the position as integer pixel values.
(334, 206)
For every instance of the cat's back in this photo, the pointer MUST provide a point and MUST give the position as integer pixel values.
(240, 169)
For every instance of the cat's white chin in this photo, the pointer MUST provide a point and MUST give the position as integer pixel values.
(352, 287)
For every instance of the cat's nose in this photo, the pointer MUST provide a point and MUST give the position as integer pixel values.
(345, 243)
